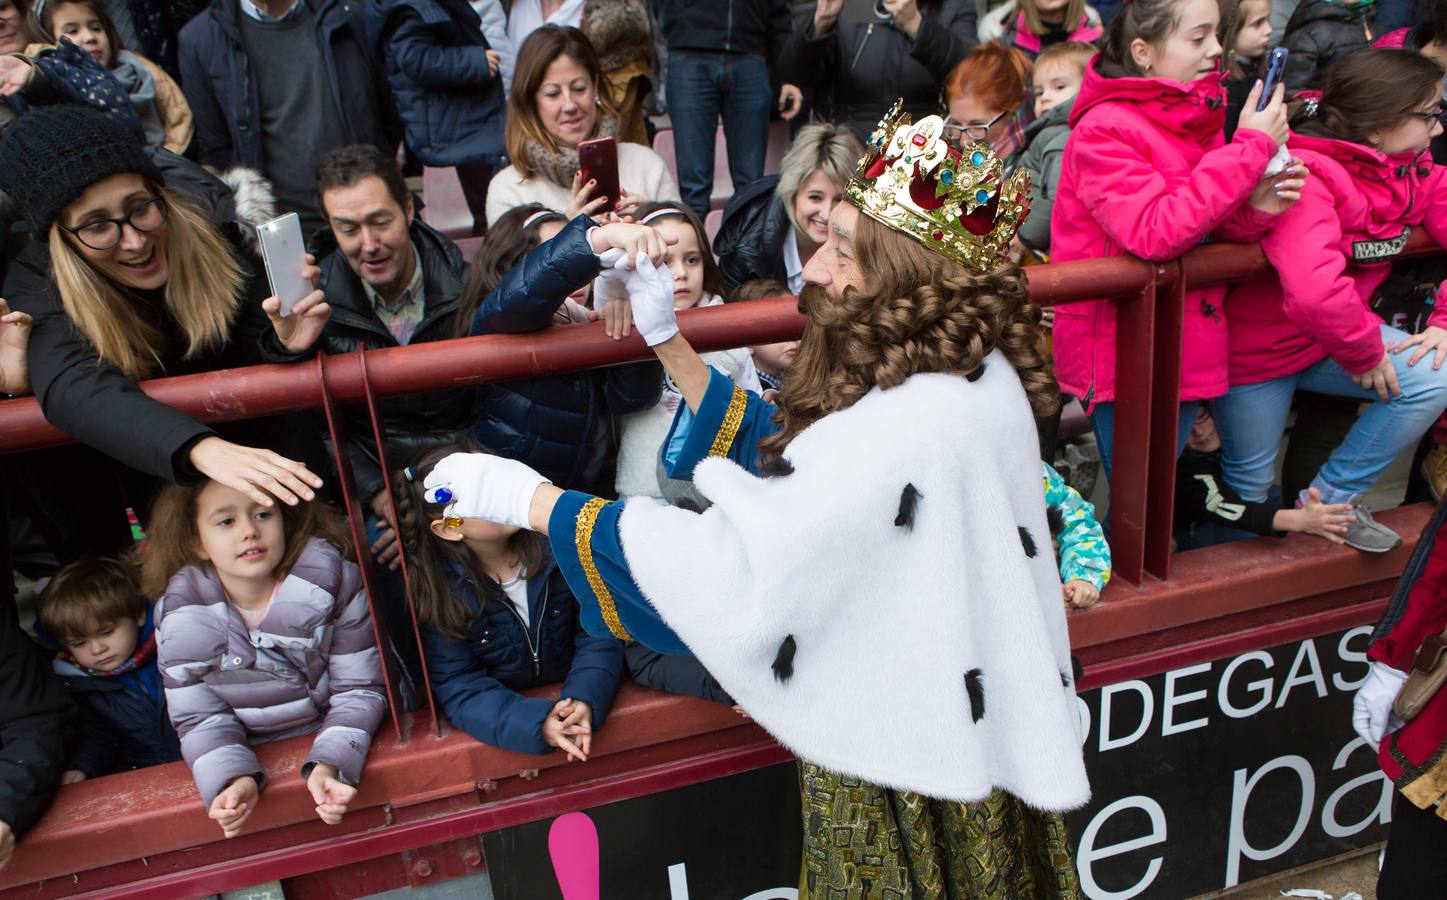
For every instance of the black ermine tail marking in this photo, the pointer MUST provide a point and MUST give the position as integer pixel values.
(784, 660)
(975, 688)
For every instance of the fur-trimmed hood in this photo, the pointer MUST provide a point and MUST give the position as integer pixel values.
(909, 631)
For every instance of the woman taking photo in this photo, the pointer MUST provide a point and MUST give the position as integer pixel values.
(557, 102)
(126, 281)
(772, 227)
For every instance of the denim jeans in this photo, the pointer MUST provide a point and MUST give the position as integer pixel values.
(1102, 418)
(701, 87)
(1252, 419)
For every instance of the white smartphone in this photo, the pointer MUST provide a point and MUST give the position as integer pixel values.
(284, 252)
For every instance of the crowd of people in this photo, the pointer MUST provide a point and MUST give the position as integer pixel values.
(145, 140)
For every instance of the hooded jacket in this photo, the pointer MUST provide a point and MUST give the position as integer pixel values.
(860, 68)
(123, 717)
(413, 423)
(476, 681)
(1319, 33)
(311, 666)
(1330, 252)
(1147, 172)
(435, 54)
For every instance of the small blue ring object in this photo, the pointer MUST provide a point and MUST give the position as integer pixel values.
(439, 495)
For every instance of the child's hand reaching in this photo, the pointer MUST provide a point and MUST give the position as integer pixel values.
(233, 806)
(569, 727)
(330, 792)
(1081, 594)
(1328, 520)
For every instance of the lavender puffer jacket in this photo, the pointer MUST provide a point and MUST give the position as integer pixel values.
(312, 666)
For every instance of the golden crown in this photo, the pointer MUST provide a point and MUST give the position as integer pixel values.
(954, 200)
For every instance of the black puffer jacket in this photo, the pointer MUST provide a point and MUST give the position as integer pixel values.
(859, 69)
(733, 26)
(561, 425)
(36, 722)
(750, 239)
(413, 422)
(1318, 34)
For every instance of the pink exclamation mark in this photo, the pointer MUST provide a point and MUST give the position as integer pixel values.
(573, 845)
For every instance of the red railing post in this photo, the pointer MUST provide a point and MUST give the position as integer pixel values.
(357, 520)
(379, 436)
(1135, 328)
(1165, 365)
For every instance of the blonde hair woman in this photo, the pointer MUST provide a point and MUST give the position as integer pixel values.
(559, 100)
(126, 280)
(772, 227)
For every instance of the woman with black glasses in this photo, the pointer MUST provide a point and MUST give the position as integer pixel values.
(126, 280)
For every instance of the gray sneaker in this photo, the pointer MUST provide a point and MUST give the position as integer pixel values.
(1368, 535)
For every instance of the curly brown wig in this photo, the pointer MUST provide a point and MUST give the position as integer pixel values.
(914, 312)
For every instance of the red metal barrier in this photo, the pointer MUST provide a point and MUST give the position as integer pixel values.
(144, 833)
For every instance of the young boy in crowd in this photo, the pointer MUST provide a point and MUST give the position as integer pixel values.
(771, 360)
(1058, 74)
(94, 612)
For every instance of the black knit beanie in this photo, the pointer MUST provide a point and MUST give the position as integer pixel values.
(50, 155)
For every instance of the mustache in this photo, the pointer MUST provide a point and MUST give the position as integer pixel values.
(812, 296)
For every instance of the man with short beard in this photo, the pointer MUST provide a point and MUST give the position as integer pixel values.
(873, 582)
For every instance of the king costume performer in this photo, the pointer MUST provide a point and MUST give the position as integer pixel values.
(879, 592)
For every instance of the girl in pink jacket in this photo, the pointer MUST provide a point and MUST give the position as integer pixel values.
(1146, 171)
(1308, 325)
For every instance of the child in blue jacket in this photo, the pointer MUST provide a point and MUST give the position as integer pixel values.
(94, 612)
(497, 617)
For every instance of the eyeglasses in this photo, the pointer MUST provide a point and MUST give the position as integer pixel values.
(1437, 113)
(103, 234)
(974, 132)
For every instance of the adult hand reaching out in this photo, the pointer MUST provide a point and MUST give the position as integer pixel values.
(14, 350)
(259, 474)
(14, 75)
(582, 202)
(299, 331)
(650, 289)
(483, 486)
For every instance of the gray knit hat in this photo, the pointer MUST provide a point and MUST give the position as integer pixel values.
(50, 155)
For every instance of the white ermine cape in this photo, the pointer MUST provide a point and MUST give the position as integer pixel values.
(891, 609)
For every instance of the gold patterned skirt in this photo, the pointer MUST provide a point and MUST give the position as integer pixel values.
(865, 842)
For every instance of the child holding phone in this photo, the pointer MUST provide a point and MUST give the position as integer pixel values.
(1310, 324)
(1147, 171)
(1245, 35)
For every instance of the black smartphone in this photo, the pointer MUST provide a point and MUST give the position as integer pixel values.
(598, 159)
(1275, 67)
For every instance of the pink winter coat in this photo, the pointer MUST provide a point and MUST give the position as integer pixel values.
(1331, 250)
(1147, 171)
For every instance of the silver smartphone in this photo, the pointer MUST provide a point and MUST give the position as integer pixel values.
(284, 252)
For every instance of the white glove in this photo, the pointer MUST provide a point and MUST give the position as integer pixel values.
(1372, 715)
(650, 288)
(483, 486)
(612, 282)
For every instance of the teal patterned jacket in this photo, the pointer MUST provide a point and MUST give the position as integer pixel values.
(1080, 543)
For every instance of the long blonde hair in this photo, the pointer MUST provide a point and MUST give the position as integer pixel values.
(914, 312)
(203, 292)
